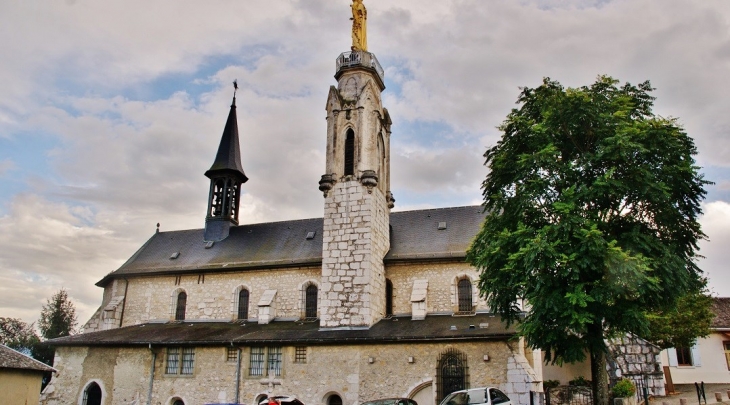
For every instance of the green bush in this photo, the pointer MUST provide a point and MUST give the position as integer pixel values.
(550, 384)
(623, 389)
(580, 382)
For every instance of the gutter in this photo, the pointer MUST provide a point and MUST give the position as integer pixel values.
(152, 375)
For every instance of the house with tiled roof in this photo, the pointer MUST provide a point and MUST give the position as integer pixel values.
(20, 377)
(708, 360)
(361, 303)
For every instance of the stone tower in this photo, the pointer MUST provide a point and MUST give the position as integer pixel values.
(357, 195)
(226, 176)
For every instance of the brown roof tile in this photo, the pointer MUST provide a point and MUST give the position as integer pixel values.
(10, 358)
(721, 309)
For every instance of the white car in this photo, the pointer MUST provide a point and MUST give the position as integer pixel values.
(477, 396)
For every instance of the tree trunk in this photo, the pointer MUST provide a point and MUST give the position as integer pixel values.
(599, 376)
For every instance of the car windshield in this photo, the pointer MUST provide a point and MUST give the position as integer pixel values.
(464, 398)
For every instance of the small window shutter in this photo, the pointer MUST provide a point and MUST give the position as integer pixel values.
(672, 354)
(696, 360)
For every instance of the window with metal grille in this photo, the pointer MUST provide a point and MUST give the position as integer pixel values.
(92, 395)
(300, 354)
(684, 356)
(464, 295)
(243, 304)
(310, 302)
(188, 360)
(232, 354)
(256, 361)
(452, 373)
(173, 360)
(388, 298)
(182, 299)
(350, 153)
(180, 360)
(274, 361)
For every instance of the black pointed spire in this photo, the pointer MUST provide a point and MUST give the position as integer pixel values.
(226, 176)
(228, 158)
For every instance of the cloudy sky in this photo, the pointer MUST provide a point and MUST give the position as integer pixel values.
(110, 112)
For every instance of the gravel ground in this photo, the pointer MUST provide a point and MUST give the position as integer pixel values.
(689, 392)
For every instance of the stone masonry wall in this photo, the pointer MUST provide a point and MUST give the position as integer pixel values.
(355, 240)
(123, 373)
(442, 278)
(212, 297)
(636, 359)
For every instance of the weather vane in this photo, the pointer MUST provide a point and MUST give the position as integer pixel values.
(235, 87)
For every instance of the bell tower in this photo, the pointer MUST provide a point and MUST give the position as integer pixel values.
(226, 177)
(356, 187)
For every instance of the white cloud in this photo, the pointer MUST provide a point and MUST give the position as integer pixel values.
(135, 94)
(716, 225)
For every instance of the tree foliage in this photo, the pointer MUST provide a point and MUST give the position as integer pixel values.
(58, 316)
(680, 325)
(592, 204)
(18, 335)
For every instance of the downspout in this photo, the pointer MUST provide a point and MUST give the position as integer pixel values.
(152, 375)
(238, 376)
(124, 303)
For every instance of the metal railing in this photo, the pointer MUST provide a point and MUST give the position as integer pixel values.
(359, 58)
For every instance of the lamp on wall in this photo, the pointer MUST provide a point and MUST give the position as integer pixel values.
(410, 359)
(371, 359)
(486, 357)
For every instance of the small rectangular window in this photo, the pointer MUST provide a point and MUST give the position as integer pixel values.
(684, 356)
(188, 360)
(300, 354)
(180, 360)
(173, 360)
(232, 354)
(274, 361)
(727, 353)
(256, 364)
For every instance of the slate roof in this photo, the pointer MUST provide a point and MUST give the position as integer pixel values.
(414, 236)
(10, 358)
(721, 309)
(399, 329)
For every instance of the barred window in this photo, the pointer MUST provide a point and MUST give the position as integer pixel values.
(173, 360)
(310, 302)
(464, 295)
(256, 366)
(232, 354)
(180, 360)
(300, 354)
(274, 361)
(265, 358)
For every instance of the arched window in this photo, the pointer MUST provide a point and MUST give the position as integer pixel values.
(310, 301)
(178, 401)
(388, 298)
(464, 295)
(182, 300)
(350, 153)
(243, 304)
(452, 373)
(334, 399)
(92, 394)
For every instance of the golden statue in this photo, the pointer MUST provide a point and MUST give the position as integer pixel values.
(359, 26)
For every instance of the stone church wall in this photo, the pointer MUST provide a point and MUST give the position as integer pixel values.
(123, 373)
(442, 278)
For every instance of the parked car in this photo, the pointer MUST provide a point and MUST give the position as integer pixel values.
(477, 396)
(282, 399)
(391, 401)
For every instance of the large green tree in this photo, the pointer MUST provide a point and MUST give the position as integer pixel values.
(591, 217)
(58, 319)
(18, 335)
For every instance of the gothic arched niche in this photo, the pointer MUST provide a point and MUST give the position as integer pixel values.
(92, 394)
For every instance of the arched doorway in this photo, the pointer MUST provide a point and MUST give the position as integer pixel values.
(334, 399)
(423, 394)
(452, 373)
(92, 394)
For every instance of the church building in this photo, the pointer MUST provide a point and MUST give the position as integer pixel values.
(359, 304)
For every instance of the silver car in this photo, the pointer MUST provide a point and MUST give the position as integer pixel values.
(477, 396)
